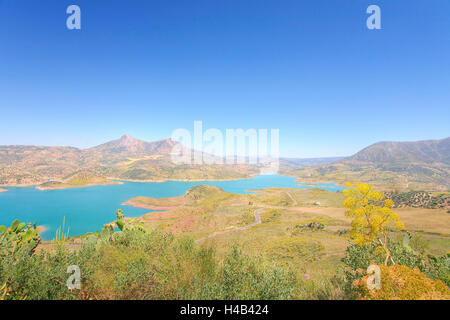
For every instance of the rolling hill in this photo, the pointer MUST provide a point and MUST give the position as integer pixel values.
(125, 148)
(419, 152)
(125, 158)
(420, 165)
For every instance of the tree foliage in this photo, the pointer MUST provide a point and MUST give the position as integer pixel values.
(372, 215)
(403, 283)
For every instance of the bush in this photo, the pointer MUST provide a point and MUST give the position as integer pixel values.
(141, 264)
(158, 266)
(403, 283)
(292, 248)
(358, 258)
(41, 276)
(240, 276)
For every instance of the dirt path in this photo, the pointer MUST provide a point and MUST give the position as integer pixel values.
(215, 234)
(294, 202)
(257, 220)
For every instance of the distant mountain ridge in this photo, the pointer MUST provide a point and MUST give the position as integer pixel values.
(300, 162)
(129, 147)
(134, 147)
(419, 165)
(124, 158)
(426, 151)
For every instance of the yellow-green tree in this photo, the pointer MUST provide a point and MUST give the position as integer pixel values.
(372, 216)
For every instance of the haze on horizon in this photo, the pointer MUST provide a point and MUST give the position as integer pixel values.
(311, 69)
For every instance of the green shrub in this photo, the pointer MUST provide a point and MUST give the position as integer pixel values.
(293, 248)
(136, 263)
(403, 283)
(244, 277)
(18, 238)
(41, 276)
(358, 258)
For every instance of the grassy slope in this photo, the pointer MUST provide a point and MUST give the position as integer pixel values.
(208, 211)
(76, 184)
(420, 165)
(82, 178)
(378, 177)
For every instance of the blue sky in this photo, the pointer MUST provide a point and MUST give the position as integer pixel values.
(309, 68)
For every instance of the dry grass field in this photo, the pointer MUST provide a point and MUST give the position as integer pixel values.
(215, 218)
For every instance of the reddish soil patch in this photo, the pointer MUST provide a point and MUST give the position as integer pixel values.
(147, 206)
(184, 225)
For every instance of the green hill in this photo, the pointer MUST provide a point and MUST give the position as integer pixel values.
(421, 165)
(391, 153)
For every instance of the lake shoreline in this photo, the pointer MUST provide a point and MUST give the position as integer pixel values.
(74, 187)
(117, 181)
(317, 183)
(140, 205)
(87, 209)
(120, 181)
(182, 180)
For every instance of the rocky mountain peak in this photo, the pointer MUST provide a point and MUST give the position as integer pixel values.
(128, 141)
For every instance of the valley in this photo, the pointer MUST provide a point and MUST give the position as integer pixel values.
(297, 224)
(309, 235)
(206, 210)
(387, 166)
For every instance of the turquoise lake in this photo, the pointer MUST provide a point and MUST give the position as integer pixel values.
(88, 209)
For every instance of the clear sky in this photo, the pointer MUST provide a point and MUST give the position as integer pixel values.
(309, 68)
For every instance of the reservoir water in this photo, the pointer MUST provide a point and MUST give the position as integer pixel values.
(88, 209)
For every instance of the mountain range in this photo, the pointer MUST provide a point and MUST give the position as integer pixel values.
(421, 164)
(126, 158)
(419, 152)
